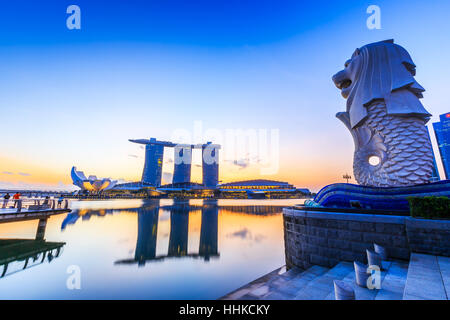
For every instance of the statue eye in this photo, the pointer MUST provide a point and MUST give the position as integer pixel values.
(347, 63)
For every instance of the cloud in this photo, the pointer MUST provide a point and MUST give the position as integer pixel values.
(243, 234)
(7, 172)
(246, 234)
(259, 237)
(241, 163)
(244, 163)
(24, 174)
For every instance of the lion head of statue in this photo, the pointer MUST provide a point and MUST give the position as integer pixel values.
(380, 71)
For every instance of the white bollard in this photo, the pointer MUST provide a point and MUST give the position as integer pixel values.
(343, 291)
(361, 274)
(374, 259)
(381, 251)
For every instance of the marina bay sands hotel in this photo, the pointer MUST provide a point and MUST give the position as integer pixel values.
(154, 157)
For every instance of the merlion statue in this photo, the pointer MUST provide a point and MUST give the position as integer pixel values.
(385, 117)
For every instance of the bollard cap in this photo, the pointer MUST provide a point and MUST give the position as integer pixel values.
(360, 267)
(381, 251)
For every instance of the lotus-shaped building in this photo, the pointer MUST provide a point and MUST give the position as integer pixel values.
(91, 184)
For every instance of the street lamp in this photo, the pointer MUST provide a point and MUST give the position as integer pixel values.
(347, 177)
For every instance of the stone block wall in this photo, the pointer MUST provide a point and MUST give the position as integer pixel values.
(429, 236)
(325, 238)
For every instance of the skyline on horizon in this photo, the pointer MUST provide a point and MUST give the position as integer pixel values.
(148, 69)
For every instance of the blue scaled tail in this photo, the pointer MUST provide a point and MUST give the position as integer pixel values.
(345, 195)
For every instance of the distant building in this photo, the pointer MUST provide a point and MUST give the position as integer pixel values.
(257, 185)
(210, 165)
(91, 184)
(304, 191)
(152, 172)
(259, 189)
(182, 166)
(442, 132)
(129, 186)
(435, 173)
(154, 158)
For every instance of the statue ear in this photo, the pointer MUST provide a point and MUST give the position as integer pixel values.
(389, 41)
(356, 53)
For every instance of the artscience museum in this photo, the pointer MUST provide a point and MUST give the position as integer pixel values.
(92, 183)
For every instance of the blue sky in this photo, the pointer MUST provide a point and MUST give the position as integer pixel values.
(138, 69)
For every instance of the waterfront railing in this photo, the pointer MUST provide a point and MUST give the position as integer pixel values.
(33, 204)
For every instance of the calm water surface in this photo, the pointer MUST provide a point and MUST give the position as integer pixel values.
(142, 249)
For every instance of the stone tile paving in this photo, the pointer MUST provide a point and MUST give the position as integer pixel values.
(320, 287)
(425, 280)
(393, 284)
(289, 289)
(424, 277)
(360, 292)
(444, 266)
(243, 292)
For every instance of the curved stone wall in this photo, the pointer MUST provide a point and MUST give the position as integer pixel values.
(314, 237)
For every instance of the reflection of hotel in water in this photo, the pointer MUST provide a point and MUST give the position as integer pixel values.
(148, 218)
(179, 233)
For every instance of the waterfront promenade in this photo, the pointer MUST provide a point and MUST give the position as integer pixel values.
(424, 277)
(326, 247)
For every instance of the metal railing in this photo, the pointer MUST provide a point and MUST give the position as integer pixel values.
(37, 204)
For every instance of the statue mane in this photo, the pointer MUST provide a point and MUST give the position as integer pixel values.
(385, 72)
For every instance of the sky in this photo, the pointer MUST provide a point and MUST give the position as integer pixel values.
(141, 69)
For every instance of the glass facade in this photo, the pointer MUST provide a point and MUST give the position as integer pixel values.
(210, 165)
(435, 174)
(182, 167)
(154, 153)
(442, 132)
(152, 173)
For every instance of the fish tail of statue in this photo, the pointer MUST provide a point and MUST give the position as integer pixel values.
(402, 145)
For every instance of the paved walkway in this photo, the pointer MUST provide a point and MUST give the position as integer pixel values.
(428, 278)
